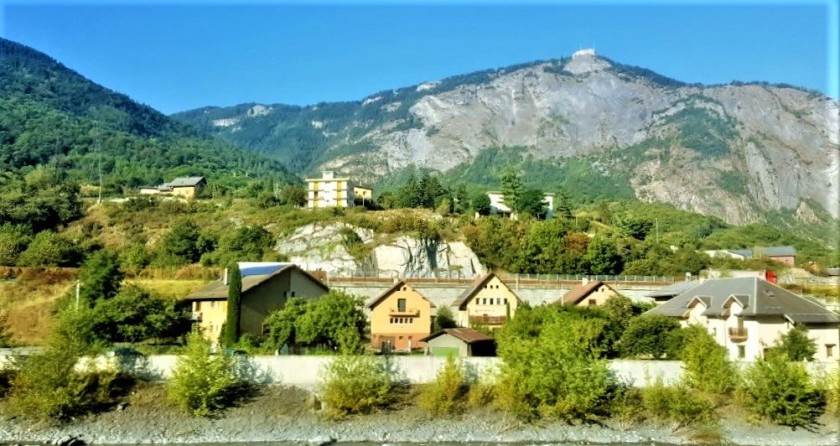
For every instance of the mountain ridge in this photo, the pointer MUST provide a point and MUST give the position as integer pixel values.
(744, 136)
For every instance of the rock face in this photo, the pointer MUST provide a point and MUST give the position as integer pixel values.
(738, 151)
(325, 247)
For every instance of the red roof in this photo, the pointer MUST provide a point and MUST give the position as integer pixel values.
(467, 335)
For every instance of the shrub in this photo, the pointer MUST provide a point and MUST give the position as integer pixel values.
(202, 383)
(5, 336)
(833, 391)
(352, 384)
(796, 344)
(705, 361)
(49, 386)
(648, 335)
(445, 394)
(50, 249)
(678, 403)
(782, 391)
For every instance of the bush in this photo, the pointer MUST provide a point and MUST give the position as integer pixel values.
(49, 386)
(705, 361)
(50, 249)
(446, 393)
(796, 345)
(782, 391)
(203, 384)
(352, 384)
(648, 336)
(833, 391)
(679, 404)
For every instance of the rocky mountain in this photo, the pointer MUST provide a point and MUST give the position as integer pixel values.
(744, 151)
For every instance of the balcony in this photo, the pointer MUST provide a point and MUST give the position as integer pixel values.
(488, 320)
(404, 312)
(738, 334)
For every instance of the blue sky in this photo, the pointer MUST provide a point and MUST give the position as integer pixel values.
(177, 55)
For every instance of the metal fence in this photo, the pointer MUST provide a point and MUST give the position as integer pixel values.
(458, 277)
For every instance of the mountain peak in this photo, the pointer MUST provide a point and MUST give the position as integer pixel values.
(586, 61)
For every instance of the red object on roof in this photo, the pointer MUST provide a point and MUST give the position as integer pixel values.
(770, 276)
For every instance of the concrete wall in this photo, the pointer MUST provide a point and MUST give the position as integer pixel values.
(305, 371)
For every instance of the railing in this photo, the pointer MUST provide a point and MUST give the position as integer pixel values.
(460, 278)
(404, 312)
(488, 320)
(738, 334)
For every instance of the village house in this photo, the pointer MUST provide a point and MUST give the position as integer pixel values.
(460, 342)
(667, 293)
(747, 315)
(266, 286)
(329, 191)
(588, 294)
(489, 303)
(362, 194)
(187, 187)
(498, 206)
(399, 318)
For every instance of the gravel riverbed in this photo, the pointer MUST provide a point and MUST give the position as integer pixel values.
(281, 414)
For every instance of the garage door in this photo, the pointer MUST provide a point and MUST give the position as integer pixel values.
(445, 351)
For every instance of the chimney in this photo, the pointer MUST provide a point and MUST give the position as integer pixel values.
(225, 277)
(585, 280)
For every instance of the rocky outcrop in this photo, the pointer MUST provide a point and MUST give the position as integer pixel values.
(328, 248)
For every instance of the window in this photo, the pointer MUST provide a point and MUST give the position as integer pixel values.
(197, 306)
(504, 301)
(742, 352)
(593, 302)
(401, 305)
(400, 338)
(212, 304)
(829, 350)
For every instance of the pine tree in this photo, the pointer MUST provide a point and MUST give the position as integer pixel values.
(234, 305)
(512, 188)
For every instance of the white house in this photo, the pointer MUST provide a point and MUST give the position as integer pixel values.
(748, 314)
(498, 206)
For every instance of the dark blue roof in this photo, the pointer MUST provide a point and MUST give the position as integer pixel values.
(262, 270)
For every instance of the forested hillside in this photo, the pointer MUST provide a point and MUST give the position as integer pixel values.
(53, 116)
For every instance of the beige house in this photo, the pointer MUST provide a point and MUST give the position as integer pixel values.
(499, 207)
(399, 318)
(266, 286)
(329, 191)
(489, 302)
(363, 193)
(748, 314)
(589, 294)
(187, 187)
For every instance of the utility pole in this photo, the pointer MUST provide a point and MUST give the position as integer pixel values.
(78, 289)
(99, 149)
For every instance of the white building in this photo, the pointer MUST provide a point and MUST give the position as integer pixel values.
(329, 191)
(748, 314)
(498, 206)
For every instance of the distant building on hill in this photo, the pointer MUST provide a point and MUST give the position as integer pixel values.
(498, 206)
(187, 187)
(331, 191)
(785, 255)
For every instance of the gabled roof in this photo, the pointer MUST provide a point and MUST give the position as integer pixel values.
(185, 181)
(578, 293)
(467, 335)
(392, 289)
(757, 296)
(778, 251)
(477, 286)
(218, 290)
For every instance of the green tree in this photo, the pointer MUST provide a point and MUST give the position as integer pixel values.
(135, 315)
(782, 392)
(181, 244)
(50, 249)
(234, 305)
(443, 319)
(705, 362)
(603, 256)
(648, 335)
(203, 383)
(281, 323)
(531, 203)
(13, 242)
(335, 320)
(461, 198)
(796, 345)
(512, 187)
(100, 277)
(245, 242)
(480, 203)
(293, 195)
(562, 206)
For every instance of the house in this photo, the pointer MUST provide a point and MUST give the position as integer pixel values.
(187, 187)
(399, 318)
(588, 294)
(266, 286)
(329, 191)
(498, 206)
(488, 302)
(363, 194)
(460, 342)
(785, 255)
(748, 314)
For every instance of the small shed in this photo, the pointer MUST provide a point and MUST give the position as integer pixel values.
(460, 342)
